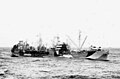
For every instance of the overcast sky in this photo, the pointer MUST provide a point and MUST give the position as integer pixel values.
(25, 19)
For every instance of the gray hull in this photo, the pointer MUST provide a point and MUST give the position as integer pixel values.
(99, 55)
(94, 55)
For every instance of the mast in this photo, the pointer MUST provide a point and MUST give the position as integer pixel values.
(39, 39)
(79, 38)
(58, 39)
(83, 42)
